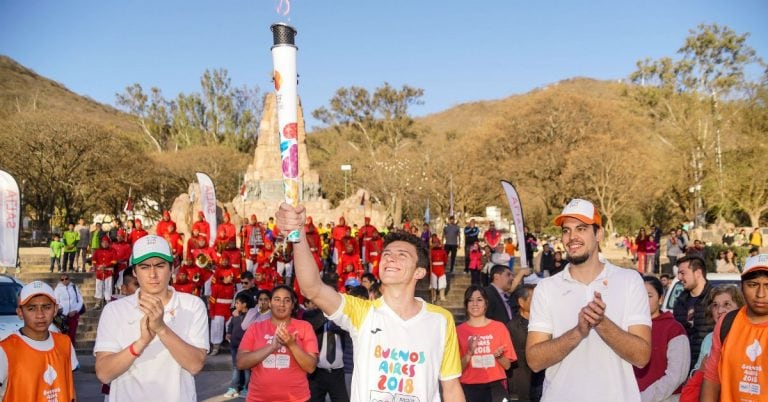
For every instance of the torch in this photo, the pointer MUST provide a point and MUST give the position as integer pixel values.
(285, 80)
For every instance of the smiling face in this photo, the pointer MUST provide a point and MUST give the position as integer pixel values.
(398, 264)
(476, 305)
(580, 240)
(690, 278)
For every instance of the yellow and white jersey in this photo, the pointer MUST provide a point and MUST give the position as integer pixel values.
(399, 360)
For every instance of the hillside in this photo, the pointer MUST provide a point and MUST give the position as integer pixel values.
(23, 89)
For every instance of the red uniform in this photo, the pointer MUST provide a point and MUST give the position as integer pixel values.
(253, 240)
(122, 254)
(373, 253)
(234, 257)
(349, 267)
(266, 277)
(183, 285)
(202, 226)
(492, 237)
(366, 236)
(313, 238)
(209, 251)
(221, 272)
(138, 232)
(222, 295)
(104, 261)
(438, 257)
(163, 226)
(337, 234)
(198, 276)
(230, 231)
(177, 246)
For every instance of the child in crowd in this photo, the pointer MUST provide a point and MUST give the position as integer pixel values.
(437, 281)
(56, 247)
(240, 378)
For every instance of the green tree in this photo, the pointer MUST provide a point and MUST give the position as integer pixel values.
(378, 126)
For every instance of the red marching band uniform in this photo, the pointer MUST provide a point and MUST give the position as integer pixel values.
(122, 251)
(163, 226)
(138, 231)
(202, 226)
(349, 263)
(337, 235)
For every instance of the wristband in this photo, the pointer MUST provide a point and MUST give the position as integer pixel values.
(132, 351)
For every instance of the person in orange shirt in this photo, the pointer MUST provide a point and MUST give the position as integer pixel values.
(47, 358)
(737, 367)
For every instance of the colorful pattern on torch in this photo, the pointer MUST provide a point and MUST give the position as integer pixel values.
(285, 80)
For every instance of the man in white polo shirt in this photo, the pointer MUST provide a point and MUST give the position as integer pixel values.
(589, 323)
(149, 345)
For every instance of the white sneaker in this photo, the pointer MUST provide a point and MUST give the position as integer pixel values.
(231, 393)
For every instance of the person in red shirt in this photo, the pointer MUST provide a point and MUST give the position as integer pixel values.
(177, 246)
(280, 352)
(230, 232)
(254, 238)
(492, 236)
(202, 226)
(203, 248)
(232, 253)
(349, 264)
(365, 234)
(486, 350)
(438, 258)
(163, 226)
(222, 296)
(313, 238)
(104, 262)
(337, 235)
(192, 243)
(122, 251)
(197, 273)
(374, 253)
(182, 282)
(138, 231)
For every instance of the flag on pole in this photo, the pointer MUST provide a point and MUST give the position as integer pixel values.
(208, 203)
(517, 217)
(128, 208)
(243, 192)
(10, 213)
(362, 201)
(426, 213)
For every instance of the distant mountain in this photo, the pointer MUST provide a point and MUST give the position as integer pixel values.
(21, 89)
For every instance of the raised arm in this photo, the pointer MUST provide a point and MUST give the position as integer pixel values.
(290, 218)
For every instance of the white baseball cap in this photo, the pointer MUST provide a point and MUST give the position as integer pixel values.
(582, 210)
(35, 288)
(755, 263)
(151, 246)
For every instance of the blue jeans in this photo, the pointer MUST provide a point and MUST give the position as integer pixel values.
(240, 378)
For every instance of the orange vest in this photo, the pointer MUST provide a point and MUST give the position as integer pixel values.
(743, 368)
(39, 376)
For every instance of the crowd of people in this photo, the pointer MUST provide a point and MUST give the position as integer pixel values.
(335, 315)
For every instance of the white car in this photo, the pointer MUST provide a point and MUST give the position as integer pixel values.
(10, 322)
(715, 279)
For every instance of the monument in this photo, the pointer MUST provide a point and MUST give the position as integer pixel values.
(263, 185)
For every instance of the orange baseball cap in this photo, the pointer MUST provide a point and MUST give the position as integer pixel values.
(582, 210)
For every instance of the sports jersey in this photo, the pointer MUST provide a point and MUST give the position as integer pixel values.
(396, 359)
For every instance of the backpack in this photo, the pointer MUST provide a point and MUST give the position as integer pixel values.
(725, 327)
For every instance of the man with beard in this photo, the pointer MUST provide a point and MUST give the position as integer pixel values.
(691, 307)
(590, 323)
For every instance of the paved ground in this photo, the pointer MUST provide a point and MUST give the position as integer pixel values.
(211, 385)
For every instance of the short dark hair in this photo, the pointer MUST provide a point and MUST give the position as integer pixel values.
(129, 276)
(371, 277)
(665, 275)
(246, 299)
(263, 292)
(246, 275)
(523, 292)
(497, 269)
(422, 253)
(358, 291)
(655, 283)
(695, 263)
(753, 275)
(468, 295)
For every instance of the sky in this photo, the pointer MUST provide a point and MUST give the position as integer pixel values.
(457, 51)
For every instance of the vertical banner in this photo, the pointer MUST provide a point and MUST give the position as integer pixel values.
(208, 203)
(10, 204)
(517, 217)
(450, 211)
(286, 81)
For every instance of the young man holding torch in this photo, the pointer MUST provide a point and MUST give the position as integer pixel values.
(397, 330)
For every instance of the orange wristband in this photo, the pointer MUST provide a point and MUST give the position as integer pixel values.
(132, 351)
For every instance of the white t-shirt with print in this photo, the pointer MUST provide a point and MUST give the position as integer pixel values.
(399, 360)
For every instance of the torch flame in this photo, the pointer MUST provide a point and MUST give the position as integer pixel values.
(284, 7)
